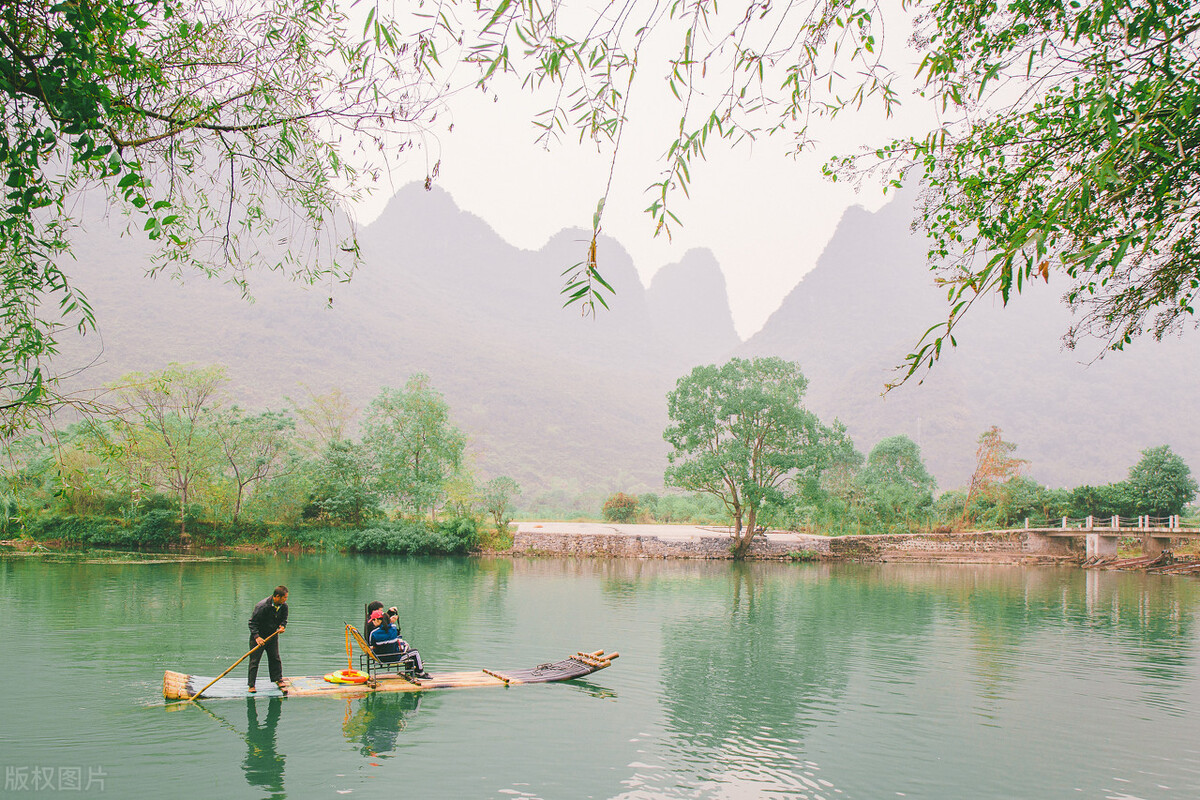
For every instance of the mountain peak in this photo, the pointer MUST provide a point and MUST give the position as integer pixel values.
(690, 306)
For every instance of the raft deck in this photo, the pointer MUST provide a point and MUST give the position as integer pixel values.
(178, 686)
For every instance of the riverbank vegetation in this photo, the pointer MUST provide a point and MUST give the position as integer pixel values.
(171, 459)
(740, 433)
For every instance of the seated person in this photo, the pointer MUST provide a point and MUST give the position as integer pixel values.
(371, 623)
(388, 646)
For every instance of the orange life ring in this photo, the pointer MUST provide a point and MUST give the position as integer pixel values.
(347, 676)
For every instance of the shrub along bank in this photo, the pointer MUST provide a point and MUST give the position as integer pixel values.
(159, 529)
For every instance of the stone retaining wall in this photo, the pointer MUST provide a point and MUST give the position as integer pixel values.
(615, 545)
(880, 548)
(932, 546)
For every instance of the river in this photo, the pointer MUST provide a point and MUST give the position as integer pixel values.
(735, 680)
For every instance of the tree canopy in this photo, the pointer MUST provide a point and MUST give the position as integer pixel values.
(740, 433)
(1070, 157)
(227, 132)
(895, 482)
(995, 465)
(166, 431)
(408, 433)
(1161, 483)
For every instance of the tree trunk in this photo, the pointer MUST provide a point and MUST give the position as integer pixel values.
(743, 536)
(183, 514)
(237, 504)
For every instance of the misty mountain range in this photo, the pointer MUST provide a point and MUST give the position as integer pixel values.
(570, 405)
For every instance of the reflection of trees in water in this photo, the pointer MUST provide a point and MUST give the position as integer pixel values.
(263, 764)
(763, 660)
(1149, 618)
(766, 651)
(375, 721)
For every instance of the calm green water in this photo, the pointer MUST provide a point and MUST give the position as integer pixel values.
(734, 681)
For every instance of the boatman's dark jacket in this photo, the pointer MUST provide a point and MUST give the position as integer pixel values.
(266, 619)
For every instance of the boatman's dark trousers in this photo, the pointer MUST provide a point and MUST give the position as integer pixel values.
(271, 648)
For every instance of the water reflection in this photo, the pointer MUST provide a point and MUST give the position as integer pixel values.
(263, 763)
(746, 677)
(764, 680)
(375, 724)
(592, 690)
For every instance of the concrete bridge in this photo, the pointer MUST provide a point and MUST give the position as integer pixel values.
(1102, 535)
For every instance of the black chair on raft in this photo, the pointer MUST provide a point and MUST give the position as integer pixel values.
(374, 666)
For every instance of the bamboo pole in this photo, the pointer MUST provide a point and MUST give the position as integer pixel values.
(234, 664)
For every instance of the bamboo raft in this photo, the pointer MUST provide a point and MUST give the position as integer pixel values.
(178, 686)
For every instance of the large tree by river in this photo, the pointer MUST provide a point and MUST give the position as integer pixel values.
(739, 432)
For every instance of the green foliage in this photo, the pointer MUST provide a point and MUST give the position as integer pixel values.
(1114, 499)
(106, 481)
(897, 461)
(496, 540)
(895, 485)
(10, 517)
(417, 538)
(620, 507)
(282, 498)
(1009, 504)
(154, 530)
(462, 494)
(683, 508)
(256, 448)
(950, 508)
(166, 435)
(216, 128)
(1083, 167)
(313, 537)
(1161, 483)
(460, 534)
(498, 496)
(740, 433)
(413, 445)
(343, 485)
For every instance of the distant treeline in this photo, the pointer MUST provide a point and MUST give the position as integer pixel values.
(891, 492)
(740, 432)
(170, 458)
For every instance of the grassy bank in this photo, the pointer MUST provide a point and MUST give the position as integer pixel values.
(161, 530)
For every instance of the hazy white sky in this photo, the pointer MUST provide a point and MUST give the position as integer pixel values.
(765, 215)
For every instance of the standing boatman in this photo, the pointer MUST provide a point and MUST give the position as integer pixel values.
(269, 616)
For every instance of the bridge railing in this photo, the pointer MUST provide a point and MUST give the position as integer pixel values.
(1143, 522)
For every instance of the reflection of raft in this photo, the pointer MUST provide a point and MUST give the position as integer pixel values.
(177, 686)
